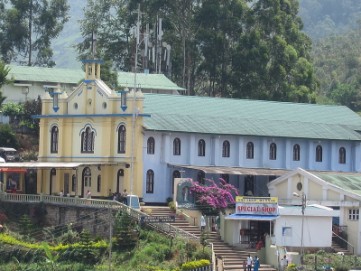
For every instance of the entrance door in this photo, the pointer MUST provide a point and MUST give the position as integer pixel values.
(176, 174)
(30, 182)
(66, 183)
(120, 181)
(86, 180)
(52, 180)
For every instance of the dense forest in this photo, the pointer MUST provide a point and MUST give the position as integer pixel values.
(300, 51)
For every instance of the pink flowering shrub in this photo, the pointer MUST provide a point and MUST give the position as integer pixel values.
(212, 195)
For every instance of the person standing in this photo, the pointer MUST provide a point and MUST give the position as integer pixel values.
(284, 263)
(203, 223)
(88, 195)
(255, 263)
(124, 196)
(249, 263)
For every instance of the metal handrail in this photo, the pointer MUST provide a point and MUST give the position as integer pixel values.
(347, 242)
(96, 203)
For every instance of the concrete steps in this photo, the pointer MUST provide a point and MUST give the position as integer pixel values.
(232, 257)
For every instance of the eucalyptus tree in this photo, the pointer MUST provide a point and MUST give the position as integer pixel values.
(230, 48)
(272, 60)
(106, 32)
(221, 25)
(27, 28)
(4, 71)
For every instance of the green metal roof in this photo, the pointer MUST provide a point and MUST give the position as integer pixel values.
(42, 74)
(346, 181)
(207, 115)
(74, 76)
(148, 81)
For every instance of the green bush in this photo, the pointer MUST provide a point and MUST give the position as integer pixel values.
(195, 264)
(291, 267)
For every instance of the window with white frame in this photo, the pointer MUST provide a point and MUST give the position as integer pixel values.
(353, 214)
(121, 139)
(150, 182)
(54, 139)
(273, 151)
(87, 140)
(176, 146)
(342, 155)
(319, 153)
(296, 152)
(250, 150)
(201, 147)
(226, 149)
(150, 145)
(87, 177)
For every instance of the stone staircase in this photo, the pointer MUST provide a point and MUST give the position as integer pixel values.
(338, 249)
(231, 257)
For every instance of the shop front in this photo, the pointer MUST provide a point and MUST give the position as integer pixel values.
(251, 222)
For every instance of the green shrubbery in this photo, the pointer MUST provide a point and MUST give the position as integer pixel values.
(70, 250)
(195, 264)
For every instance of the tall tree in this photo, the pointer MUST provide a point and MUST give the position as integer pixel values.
(27, 28)
(4, 71)
(237, 48)
(220, 28)
(272, 61)
(106, 32)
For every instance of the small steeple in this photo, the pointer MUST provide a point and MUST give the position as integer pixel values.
(92, 66)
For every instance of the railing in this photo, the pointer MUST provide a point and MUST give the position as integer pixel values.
(344, 241)
(96, 203)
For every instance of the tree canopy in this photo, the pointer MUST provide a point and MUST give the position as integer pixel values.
(27, 28)
(4, 71)
(216, 48)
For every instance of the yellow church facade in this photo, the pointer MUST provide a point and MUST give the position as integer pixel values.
(91, 140)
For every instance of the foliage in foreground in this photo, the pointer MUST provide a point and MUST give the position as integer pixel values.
(322, 260)
(151, 252)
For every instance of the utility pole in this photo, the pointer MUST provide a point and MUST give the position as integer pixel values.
(110, 236)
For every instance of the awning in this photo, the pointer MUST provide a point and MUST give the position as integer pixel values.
(57, 165)
(14, 170)
(252, 217)
(235, 170)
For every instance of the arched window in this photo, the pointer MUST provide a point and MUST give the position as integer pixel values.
(54, 139)
(342, 155)
(150, 145)
(87, 177)
(250, 150)
(73, 183)
(176, 146)
(226, 149)
(273, 151)
(87, 141)
(296, 152)
(99, 183)
(318, 153)
(201, 147)
(121, 139)
(150, 182)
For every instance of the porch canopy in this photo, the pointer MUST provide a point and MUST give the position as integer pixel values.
(252, 217)
(7, 167)
(234, 170)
